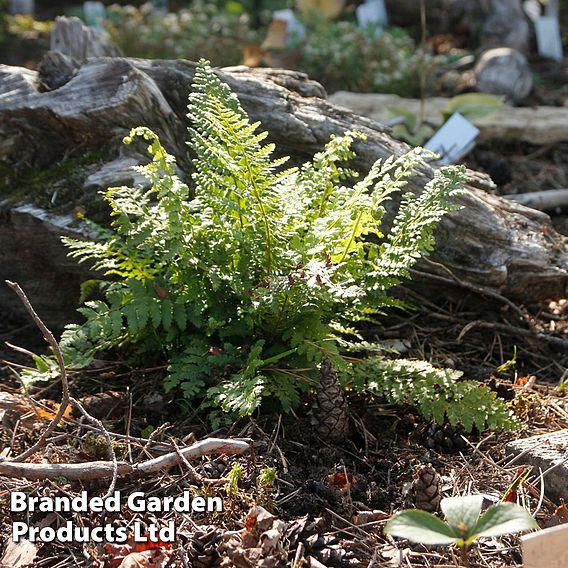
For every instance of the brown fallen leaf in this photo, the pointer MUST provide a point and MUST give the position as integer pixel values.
(559, 517)
(253, 54)
(48, 413)
(14, 406)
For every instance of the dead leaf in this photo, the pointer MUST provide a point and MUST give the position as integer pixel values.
(48, 414)
(13, 407)
(526, 382)
(162, 292)
(560, 516)
(19, 554)
(253, 54)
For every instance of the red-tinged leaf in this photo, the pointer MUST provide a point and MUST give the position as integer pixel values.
(150, 545)
(250, 521)
(339, 480)
(511, 494)
(511, 497)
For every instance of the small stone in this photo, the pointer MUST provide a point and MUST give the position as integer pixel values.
(543, 452)
(504, 71)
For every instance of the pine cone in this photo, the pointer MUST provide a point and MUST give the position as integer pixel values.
(330, 411)
(202, 549)
(427, 489)
(444, 439)
(325, 548)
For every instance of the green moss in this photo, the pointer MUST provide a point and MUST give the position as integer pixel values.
(58, 188)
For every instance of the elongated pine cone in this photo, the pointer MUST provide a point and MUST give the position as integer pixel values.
(330, 411)
(427, 489)
(202, 549)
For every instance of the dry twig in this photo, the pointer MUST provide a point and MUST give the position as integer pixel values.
(104, 469)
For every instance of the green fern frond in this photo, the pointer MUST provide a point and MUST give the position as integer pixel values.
(245, 283)
(439, 394)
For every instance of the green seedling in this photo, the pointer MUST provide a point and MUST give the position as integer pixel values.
(464, 523)
(510, 363)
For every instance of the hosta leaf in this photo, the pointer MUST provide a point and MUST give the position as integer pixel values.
(462, 513)
(505, 518)
(420, 526)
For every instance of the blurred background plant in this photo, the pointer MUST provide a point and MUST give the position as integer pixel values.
(343, 56)
(338, 54)
(214, 31)
(333, 49)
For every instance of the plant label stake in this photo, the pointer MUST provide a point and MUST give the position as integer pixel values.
(454, 139)
(546, 548)
(372, 12)
(295, 29)
(547, 28)
(548, 37)
(22, 6)
(94, 13)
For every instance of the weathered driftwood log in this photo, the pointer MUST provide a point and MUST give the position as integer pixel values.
(491, 241)
(536, 125)
(78, 41)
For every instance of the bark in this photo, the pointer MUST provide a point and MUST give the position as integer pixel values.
(490, 242)
(76, 40)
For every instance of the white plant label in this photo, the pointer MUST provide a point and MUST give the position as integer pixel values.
(22, 6)
(454, 139)
(548, 37)
(160, 6)
(294, 28)
(546, 548)
(372, 12)
(94, 14)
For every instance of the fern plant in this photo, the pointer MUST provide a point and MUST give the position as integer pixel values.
(246, 282)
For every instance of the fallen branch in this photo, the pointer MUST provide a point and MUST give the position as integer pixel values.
(556, 342)
(541, 200)
(104, 469)
(65, 400)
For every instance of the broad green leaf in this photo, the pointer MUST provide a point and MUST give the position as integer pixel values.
(462, 513)
(420, 526)
(505, 518)
(473, 106)
(410, 118)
